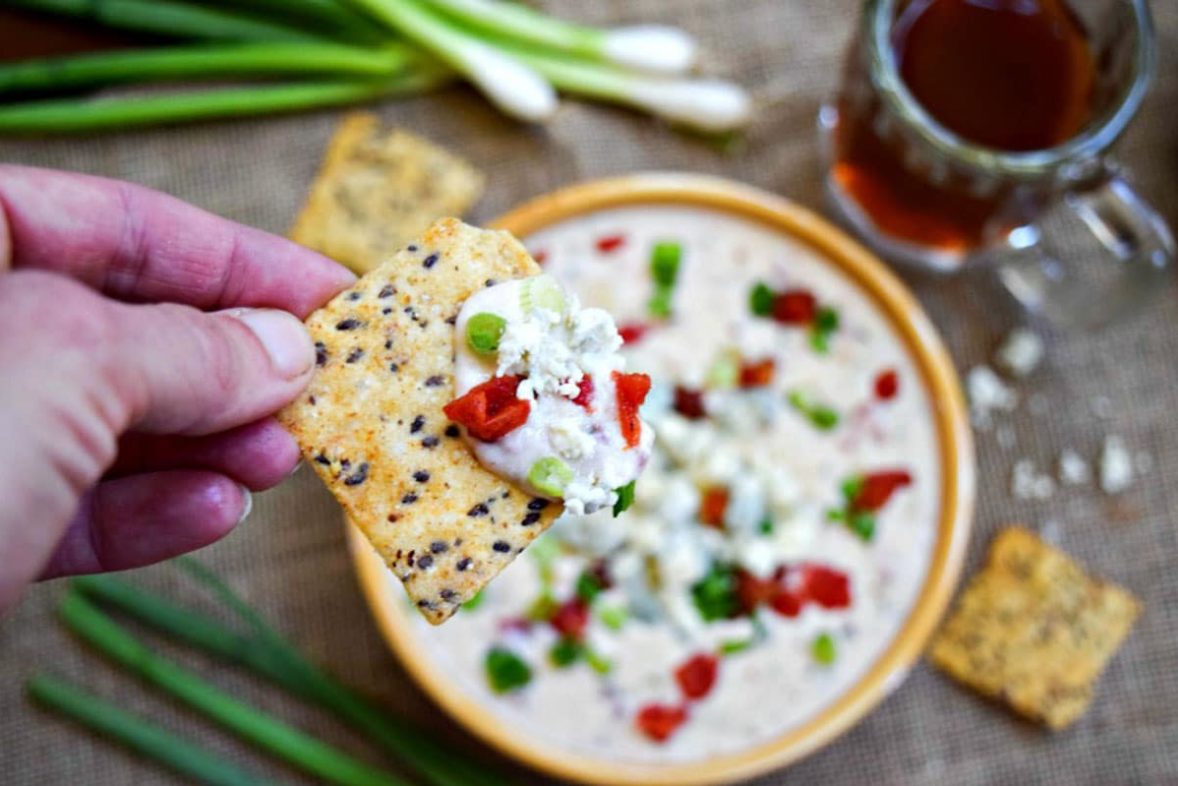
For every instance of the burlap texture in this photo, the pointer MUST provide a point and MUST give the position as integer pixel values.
(289, 558)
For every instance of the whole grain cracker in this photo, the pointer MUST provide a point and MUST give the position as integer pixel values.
(1034, 631)
(377, 191)
(371, 421)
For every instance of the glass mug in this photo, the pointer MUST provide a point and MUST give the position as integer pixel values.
(1017, 134)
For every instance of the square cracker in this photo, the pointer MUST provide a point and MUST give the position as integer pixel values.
(372, 427)
(1034, 631)
(376, 192)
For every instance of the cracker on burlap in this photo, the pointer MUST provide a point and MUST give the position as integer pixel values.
(371, 421)
(377, 191)
(1034, 631)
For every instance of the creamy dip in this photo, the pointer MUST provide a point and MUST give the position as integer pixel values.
(779, 536)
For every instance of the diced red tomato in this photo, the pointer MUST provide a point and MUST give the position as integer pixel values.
(571, 618)
(697, 675)
(610, 243)
(631, 392)
(712, 505)
(758, 374)
(540, 256)
(878, 488)
(660, 721)
(632, 332)
(490, 410)
(795, 307)
(787, 603)
(752, 591)
(690, 403)
(829, 588)
(887, 384)
(585, 393)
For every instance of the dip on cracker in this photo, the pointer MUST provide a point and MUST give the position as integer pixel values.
(543, 396)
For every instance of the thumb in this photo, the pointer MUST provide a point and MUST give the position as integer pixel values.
(183, 371)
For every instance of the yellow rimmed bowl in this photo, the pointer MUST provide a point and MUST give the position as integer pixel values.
(395, 618)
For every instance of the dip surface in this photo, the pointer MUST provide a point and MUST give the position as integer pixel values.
(780, 534)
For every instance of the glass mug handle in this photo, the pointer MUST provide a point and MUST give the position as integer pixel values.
(1133, 236)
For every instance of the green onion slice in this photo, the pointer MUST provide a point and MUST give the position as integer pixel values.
(483, 332)
(550, 475)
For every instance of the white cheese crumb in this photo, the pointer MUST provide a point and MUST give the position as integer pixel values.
(569, 440)
(1028, 483)
(1020, 353)
(988, 394)
(1073, 469)
(1116, 466)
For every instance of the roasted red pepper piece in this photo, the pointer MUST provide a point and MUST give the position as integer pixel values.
(659, 721)
(829, 588)
(878, 488)
(795, 307)
(490, 410)
(887, 384)
(585, 393)
(631, 392)
(697, 675)
(752, 591)
(712, 505)
(756, 375)
(632, 332)
(690, 403)
(610, 243)
(787, 603)
(571, 618)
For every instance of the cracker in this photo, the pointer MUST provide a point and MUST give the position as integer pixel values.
(371, 421)
(377, 191)
(1034, 631)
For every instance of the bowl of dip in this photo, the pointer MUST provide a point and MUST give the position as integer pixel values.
(794, 539)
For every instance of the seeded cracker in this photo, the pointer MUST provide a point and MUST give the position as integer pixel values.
(371, 421)
(376, 192)
(1034, 631)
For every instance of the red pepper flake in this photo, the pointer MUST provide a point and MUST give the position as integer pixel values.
(887, 384)
(585, 393)
(540, 256)
(610, 243)
(697, 676)
(690, 403)
(631, 392)
(571, 618)
(758, 374)
(795, 307)
(829, 588)
(660, 721)
(712, 506)
(878, 488)
(632, 332)
(490, 410)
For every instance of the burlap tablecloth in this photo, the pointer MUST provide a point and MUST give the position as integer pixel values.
(289, 558)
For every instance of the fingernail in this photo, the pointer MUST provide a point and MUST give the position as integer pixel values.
(283, 337)
(247, 499)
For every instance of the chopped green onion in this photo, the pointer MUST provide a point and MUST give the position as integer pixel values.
(734, 646)
(826, 323)
(761, 300)
(506, 671)
(543, 607)
(475, 601)
(824, 649)
(820, 416)
(724, 371)
(613, 617)
(660, 303)
(550, 475)
(517, 89)
(483, 332)
(836, 515)
(851, 488)
(715, 594)
(599, 664)
(588, 586)
(625, 497)
(863, 525)
(766, 526)
(544, 551)
(565, 652)
(664, 262)
(542, 292)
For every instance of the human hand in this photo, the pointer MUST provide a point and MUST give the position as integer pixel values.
(143, 345)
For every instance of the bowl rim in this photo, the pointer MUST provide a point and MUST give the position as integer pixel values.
(958, 482)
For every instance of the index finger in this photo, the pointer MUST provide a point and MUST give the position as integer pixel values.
(136, 244)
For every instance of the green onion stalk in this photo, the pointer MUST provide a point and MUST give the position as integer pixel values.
(163, 747)
(329, 17)
(206, 61)
(118, 113)
(656, 48)
(512, 86)
(265, 652)
(290, 744)
(161, 17)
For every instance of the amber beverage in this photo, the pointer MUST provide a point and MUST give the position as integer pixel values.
(959, 122)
